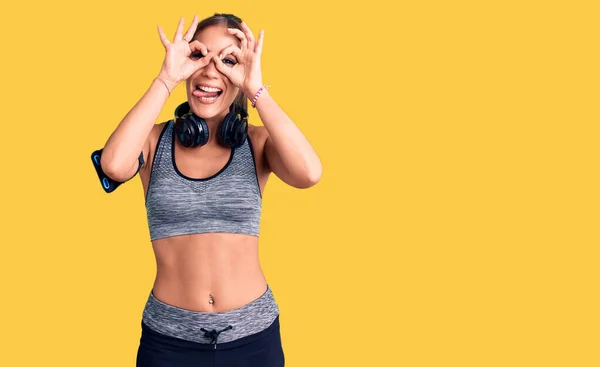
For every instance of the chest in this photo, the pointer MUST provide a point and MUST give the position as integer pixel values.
(205, 167)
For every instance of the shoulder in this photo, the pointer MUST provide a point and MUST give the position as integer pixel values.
(159, 127)
(258, 136)
(155, 133)
(151, 143)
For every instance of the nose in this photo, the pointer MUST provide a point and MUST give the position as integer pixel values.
(210, 70)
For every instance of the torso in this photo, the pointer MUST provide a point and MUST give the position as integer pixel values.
(226, 265)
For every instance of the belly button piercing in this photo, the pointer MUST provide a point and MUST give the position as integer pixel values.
(211, 300)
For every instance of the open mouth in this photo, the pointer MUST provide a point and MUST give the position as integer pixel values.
(207, 94)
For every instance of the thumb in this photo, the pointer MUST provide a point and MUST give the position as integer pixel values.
(203, 61)
(221, 67)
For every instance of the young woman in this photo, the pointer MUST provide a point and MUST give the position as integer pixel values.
(203, 175)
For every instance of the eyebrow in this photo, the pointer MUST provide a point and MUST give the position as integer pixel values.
(208, 50)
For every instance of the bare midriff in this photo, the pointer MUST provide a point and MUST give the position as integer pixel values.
(192, 268)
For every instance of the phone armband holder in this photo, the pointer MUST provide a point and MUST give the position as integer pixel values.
(108, 184)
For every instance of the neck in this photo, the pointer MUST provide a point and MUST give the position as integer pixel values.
(214, 127)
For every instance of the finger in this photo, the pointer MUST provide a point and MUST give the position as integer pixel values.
(178, 31)
(259, 44)
(239, 34)
(203, 61)
(225, 70)
(198, 46)
(163, 37)
(190, 32)
(249, 35)
(234, 50)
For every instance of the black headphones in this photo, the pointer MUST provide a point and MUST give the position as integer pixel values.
(192, 130)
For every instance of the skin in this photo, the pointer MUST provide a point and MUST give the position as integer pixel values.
(226, 265)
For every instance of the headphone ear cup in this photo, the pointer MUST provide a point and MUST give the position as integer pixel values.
(184, 131)
(192, 131)
(242, 131)
(201, 130)
(224, 131)
(233, 131)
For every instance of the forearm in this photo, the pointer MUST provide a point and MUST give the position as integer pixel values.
(127, 141)
(294, 149)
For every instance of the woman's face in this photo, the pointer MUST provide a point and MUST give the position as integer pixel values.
(215, 38)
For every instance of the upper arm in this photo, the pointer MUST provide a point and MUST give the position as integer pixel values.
(275, 164)
(141, 162)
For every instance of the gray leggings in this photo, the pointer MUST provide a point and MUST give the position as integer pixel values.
(210, 327)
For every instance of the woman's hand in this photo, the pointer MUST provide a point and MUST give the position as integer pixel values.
(246, 74)
(178, 65)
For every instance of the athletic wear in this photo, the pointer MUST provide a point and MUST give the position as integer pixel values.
(228, 201)
(228, 326)
(262, 349)
(108, 184)
(247, 336)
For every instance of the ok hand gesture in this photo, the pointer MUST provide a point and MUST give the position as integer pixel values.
(177, 65)
(246, 74)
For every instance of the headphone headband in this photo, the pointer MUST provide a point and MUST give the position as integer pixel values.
(192, 130)
(182, 109)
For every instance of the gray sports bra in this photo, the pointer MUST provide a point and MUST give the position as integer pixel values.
(228, 201)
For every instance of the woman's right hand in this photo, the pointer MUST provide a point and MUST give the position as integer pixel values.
(178, 65)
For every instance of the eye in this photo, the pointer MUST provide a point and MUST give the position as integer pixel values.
(197, 54)
(230, 61)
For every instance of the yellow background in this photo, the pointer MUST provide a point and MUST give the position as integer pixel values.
(456, 222)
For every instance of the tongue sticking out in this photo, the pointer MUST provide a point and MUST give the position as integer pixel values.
(201, 93)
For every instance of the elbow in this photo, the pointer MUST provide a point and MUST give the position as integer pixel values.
(114, 172)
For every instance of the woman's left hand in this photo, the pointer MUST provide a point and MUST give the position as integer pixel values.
(246, 74)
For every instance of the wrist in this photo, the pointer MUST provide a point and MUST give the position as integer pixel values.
(250, 91)
(260, 93)
(168, 83)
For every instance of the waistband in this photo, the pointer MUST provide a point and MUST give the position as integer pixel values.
(211, 327)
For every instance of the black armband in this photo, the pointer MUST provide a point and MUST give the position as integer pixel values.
(108, 184)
